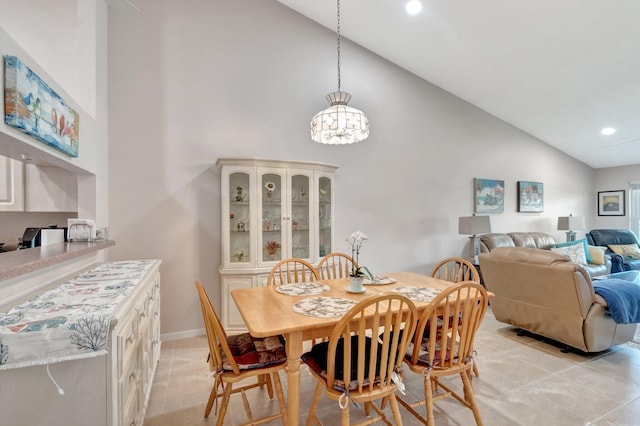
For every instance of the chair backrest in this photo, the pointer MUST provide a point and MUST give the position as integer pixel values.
(292, 271)
(446, 344)
(335, 265)
(216, 335)
(367, 366)
(455, 269)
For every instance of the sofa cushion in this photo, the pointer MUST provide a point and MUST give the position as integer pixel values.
(597, 255)
(626, 250)
(543, 241)
(494, 240)
(584, 244)
(523, 239)
(575, 252)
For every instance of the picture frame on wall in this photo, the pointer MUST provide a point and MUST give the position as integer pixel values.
(488, 195)
(530, 197)
(611, 203)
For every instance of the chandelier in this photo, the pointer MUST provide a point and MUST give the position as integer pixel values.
(339, 123)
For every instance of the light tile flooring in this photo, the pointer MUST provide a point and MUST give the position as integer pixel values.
(523, 381)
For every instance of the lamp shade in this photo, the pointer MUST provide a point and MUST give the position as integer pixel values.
(472, 225)
(570, 223)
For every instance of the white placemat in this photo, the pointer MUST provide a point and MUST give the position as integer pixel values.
(302, 289)
(418, 294)
(323, 307)
(379, 280)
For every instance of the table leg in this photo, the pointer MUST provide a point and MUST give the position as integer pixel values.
(294, 351)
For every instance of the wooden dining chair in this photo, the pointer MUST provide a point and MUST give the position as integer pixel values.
(445, 348)
(292, 271)
(455, 269)
(352, 366)
(238, 357)
(335, 265)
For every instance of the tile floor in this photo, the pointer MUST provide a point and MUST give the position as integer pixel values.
(523, 381)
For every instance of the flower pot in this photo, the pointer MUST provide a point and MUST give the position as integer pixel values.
(356, 284)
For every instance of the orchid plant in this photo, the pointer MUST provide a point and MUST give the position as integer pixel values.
(356, 241)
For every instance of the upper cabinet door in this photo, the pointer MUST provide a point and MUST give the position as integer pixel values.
(299, 220)
(325, 214)
(238, 217)
(272, 196)
(11, 185)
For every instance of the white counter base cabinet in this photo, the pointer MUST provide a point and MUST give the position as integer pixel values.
(110, 390)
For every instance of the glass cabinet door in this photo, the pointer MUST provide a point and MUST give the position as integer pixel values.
(271, 220)
(324, 216)
(239, 218)
(300, 214)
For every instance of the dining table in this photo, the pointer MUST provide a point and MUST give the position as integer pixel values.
(307, 311)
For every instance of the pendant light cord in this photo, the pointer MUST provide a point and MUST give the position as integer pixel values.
(338, 36)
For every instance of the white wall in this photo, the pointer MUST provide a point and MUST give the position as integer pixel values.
(191, 82)
(615, 179)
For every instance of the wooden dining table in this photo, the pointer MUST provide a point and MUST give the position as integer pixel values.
(266, 312)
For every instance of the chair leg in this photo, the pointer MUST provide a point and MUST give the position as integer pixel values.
(428, 399)
(280, 394)
(395, 409)
(475, 369)
(267, 378)
(469, 397)
(314, 404)
(223, 406)
(345, 416)
(212, 397)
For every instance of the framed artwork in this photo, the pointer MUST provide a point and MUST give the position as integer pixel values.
(488, 195)
(530, 197)
(611, 203)
(34, 108)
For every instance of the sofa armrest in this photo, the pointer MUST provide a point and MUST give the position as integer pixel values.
(617, 263)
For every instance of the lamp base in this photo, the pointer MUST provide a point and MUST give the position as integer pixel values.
(475, 248)
(571, 236)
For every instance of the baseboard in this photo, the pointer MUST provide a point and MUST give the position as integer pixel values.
(166, 337)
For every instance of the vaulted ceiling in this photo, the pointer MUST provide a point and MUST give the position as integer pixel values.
(558, 70)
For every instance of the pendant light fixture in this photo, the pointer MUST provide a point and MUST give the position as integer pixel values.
(339, 124)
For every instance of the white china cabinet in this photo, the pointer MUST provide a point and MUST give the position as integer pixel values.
(271, 210)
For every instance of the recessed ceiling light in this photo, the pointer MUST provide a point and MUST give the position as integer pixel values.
(607, 131)
(413, 7)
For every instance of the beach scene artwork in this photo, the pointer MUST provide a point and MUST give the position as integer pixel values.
(34, 108)
(489, 195)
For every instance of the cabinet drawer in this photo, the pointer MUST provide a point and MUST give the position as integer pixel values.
(128, 381)
(127, 342)
(130, 406)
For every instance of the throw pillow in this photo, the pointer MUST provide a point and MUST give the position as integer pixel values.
(584, 243)
(626, 250)
(597, 255)
(575, 252)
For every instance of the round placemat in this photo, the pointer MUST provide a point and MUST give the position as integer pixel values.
(323, 307)
(302, 289)
(418, 294)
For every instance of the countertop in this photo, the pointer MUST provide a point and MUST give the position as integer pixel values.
(20, 262)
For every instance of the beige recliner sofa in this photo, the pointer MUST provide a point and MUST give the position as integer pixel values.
(539, 240)
(547, 294)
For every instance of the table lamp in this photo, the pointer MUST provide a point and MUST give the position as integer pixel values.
(569, 223)
(474, 225)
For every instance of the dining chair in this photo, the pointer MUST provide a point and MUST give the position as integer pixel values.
(292, 271)
(239, 357)
(456, 269)
(352, 366)
(445, 348)
(335, 265)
